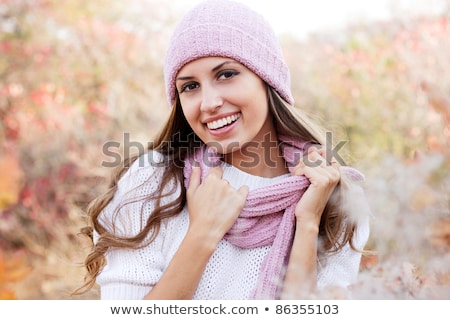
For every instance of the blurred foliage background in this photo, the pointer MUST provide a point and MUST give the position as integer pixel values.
(75, 74)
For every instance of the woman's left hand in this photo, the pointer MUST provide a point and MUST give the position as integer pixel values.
(323, 176)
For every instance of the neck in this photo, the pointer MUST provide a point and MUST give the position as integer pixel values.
(259, 158)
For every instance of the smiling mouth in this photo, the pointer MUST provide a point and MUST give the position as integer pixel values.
(225, 121)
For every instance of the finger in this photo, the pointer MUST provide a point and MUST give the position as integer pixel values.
(334, 162)
(335, 169)
(216, 172)
(324, 153)
(243, 191)
(321, 157)
(194, 180)
(317, 170)
(299, 168)
(314, 148)
(314, 158)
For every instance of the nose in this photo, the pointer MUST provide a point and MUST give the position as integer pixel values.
(211, 99)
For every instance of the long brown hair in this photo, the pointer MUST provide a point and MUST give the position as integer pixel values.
(176, 140)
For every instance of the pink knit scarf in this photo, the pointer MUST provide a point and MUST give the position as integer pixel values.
(268, 216)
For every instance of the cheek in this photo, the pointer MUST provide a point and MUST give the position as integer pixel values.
(192, 116)
(189, 111)
(257, 107)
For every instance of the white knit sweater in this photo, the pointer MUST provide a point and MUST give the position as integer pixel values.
(231, 272)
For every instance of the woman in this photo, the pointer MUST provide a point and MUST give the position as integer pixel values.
(237, 198)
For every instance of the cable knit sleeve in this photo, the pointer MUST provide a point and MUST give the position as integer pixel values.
(131, 273)
(341, 269)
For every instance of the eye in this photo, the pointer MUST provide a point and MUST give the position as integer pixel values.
(188, 87)
(227, 74)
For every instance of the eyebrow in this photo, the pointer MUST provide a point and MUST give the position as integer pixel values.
(213, 70)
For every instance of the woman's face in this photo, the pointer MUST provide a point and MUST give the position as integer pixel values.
(224, 103)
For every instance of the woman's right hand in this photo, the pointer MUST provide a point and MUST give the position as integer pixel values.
(213, 208)
(213, 204)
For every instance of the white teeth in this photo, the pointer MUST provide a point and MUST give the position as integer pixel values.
(222, 122)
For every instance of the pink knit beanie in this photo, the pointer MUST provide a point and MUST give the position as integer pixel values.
(225, 28)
